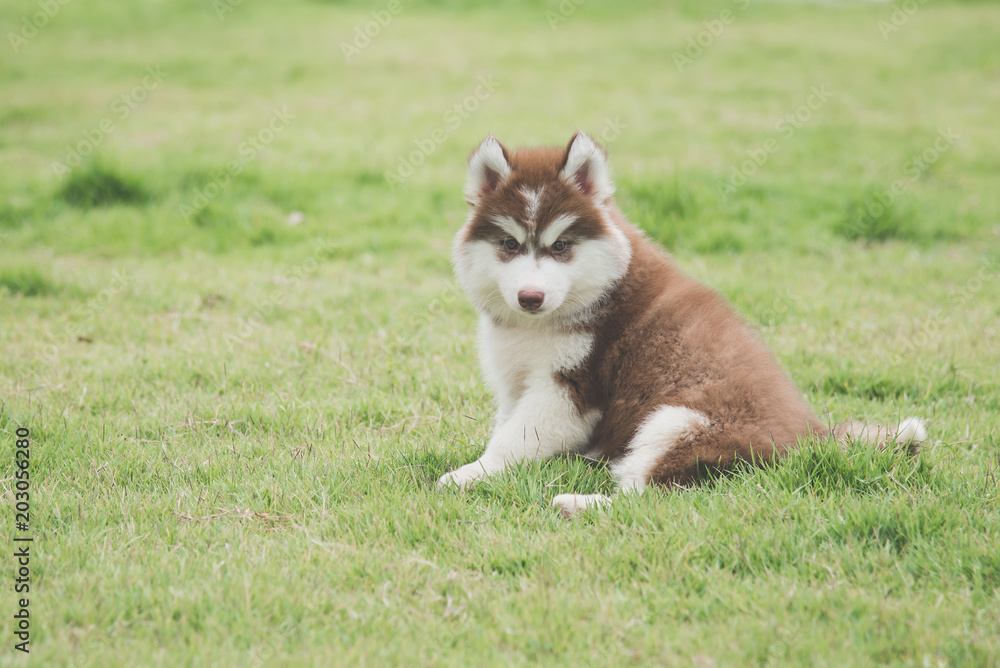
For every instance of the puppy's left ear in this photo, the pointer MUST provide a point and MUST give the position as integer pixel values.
(586, 168)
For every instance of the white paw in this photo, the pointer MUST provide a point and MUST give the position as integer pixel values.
(462, 477)
(571, 504)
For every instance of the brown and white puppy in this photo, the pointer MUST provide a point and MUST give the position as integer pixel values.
(596, 343)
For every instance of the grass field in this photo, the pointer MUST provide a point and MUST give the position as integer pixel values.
(229, 323)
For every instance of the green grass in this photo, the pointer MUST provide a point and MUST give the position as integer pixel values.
(237, 421)
(93, 185)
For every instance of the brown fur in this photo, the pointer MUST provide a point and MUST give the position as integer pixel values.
(676, 342)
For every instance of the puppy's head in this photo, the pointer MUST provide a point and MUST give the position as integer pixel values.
(538, 244)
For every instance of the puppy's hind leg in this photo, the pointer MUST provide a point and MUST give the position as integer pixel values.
(665, 429)
(571, 504)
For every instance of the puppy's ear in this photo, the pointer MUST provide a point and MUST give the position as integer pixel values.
(586, 168)
(489, 166)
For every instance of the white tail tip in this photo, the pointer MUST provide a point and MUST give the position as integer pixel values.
(912, 430)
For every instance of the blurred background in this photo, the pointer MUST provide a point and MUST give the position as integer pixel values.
(683, 93)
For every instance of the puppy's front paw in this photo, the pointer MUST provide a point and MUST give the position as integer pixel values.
(462, 477)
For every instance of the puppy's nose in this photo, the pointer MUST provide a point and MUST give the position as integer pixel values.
(530, 300)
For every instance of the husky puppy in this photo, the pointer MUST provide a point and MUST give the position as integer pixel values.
(595, 343)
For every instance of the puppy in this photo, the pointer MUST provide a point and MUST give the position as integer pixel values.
(595, 343)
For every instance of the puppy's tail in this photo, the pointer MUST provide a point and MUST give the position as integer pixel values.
(910, 432)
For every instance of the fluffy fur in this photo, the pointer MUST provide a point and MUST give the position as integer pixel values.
(596, 343)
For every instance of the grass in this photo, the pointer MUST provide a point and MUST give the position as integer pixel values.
(237, 421)
(96, 185)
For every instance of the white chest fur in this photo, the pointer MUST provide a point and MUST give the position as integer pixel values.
(536, 417)
(517, 361)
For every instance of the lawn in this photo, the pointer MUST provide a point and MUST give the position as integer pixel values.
(230, 326)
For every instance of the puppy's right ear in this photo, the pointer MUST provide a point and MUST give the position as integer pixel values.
(489, 166)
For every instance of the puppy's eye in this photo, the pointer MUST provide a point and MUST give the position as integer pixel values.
(559, 246)
(511, 244)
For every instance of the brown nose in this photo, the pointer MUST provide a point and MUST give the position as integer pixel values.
(530, 300)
